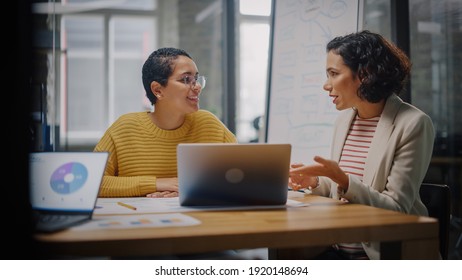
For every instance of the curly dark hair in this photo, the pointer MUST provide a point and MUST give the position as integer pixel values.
(381, 66)
(159, 67)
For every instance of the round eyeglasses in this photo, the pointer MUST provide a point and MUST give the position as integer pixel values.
(192, 81)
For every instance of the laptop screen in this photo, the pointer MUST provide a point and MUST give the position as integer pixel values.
(67, 181)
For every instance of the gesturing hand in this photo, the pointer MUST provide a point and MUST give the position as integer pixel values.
(298, 180)
(303, 176)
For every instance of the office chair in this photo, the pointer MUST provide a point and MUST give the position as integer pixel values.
(437, 199)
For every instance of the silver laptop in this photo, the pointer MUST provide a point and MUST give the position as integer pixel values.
(233, 174)
(64, 187)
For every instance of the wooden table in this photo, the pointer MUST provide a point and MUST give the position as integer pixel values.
(325, 221)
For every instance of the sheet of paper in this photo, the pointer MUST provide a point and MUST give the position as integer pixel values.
(298, 194)
(144, 205)
(139, 221)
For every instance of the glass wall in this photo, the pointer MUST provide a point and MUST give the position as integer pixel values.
(253, 51)
(94, 54)
(97, 50)
(435, 29)
(436, 44)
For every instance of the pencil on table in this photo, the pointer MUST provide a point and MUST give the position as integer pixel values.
(126, 205)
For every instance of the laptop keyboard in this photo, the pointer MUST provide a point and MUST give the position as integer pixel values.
(51, 218)
(53, 222)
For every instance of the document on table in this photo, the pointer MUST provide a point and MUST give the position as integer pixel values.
(144, 205)
(138, 221)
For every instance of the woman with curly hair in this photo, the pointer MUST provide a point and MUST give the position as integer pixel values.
(381, 147)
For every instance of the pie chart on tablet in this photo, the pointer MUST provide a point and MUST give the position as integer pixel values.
(68, 178)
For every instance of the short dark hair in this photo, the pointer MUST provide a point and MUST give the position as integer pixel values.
(158, 67)
(381, 66)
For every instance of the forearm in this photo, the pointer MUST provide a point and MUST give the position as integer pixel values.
(114, 186)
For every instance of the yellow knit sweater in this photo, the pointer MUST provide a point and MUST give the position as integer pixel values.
(139, 151)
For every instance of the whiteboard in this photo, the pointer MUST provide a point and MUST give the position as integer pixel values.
(298, 110)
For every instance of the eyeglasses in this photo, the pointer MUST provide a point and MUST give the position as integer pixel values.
(193, 81)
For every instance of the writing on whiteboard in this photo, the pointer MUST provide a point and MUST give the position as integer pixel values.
(300, 112)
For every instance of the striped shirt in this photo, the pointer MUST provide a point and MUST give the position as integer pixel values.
(357, 146)
(352, 161)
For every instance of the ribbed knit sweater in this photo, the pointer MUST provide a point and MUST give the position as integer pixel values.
(140, 152)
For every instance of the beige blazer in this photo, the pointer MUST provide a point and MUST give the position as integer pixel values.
(396, 165)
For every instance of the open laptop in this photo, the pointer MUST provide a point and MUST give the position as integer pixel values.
(253, 174)
(64, 187)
